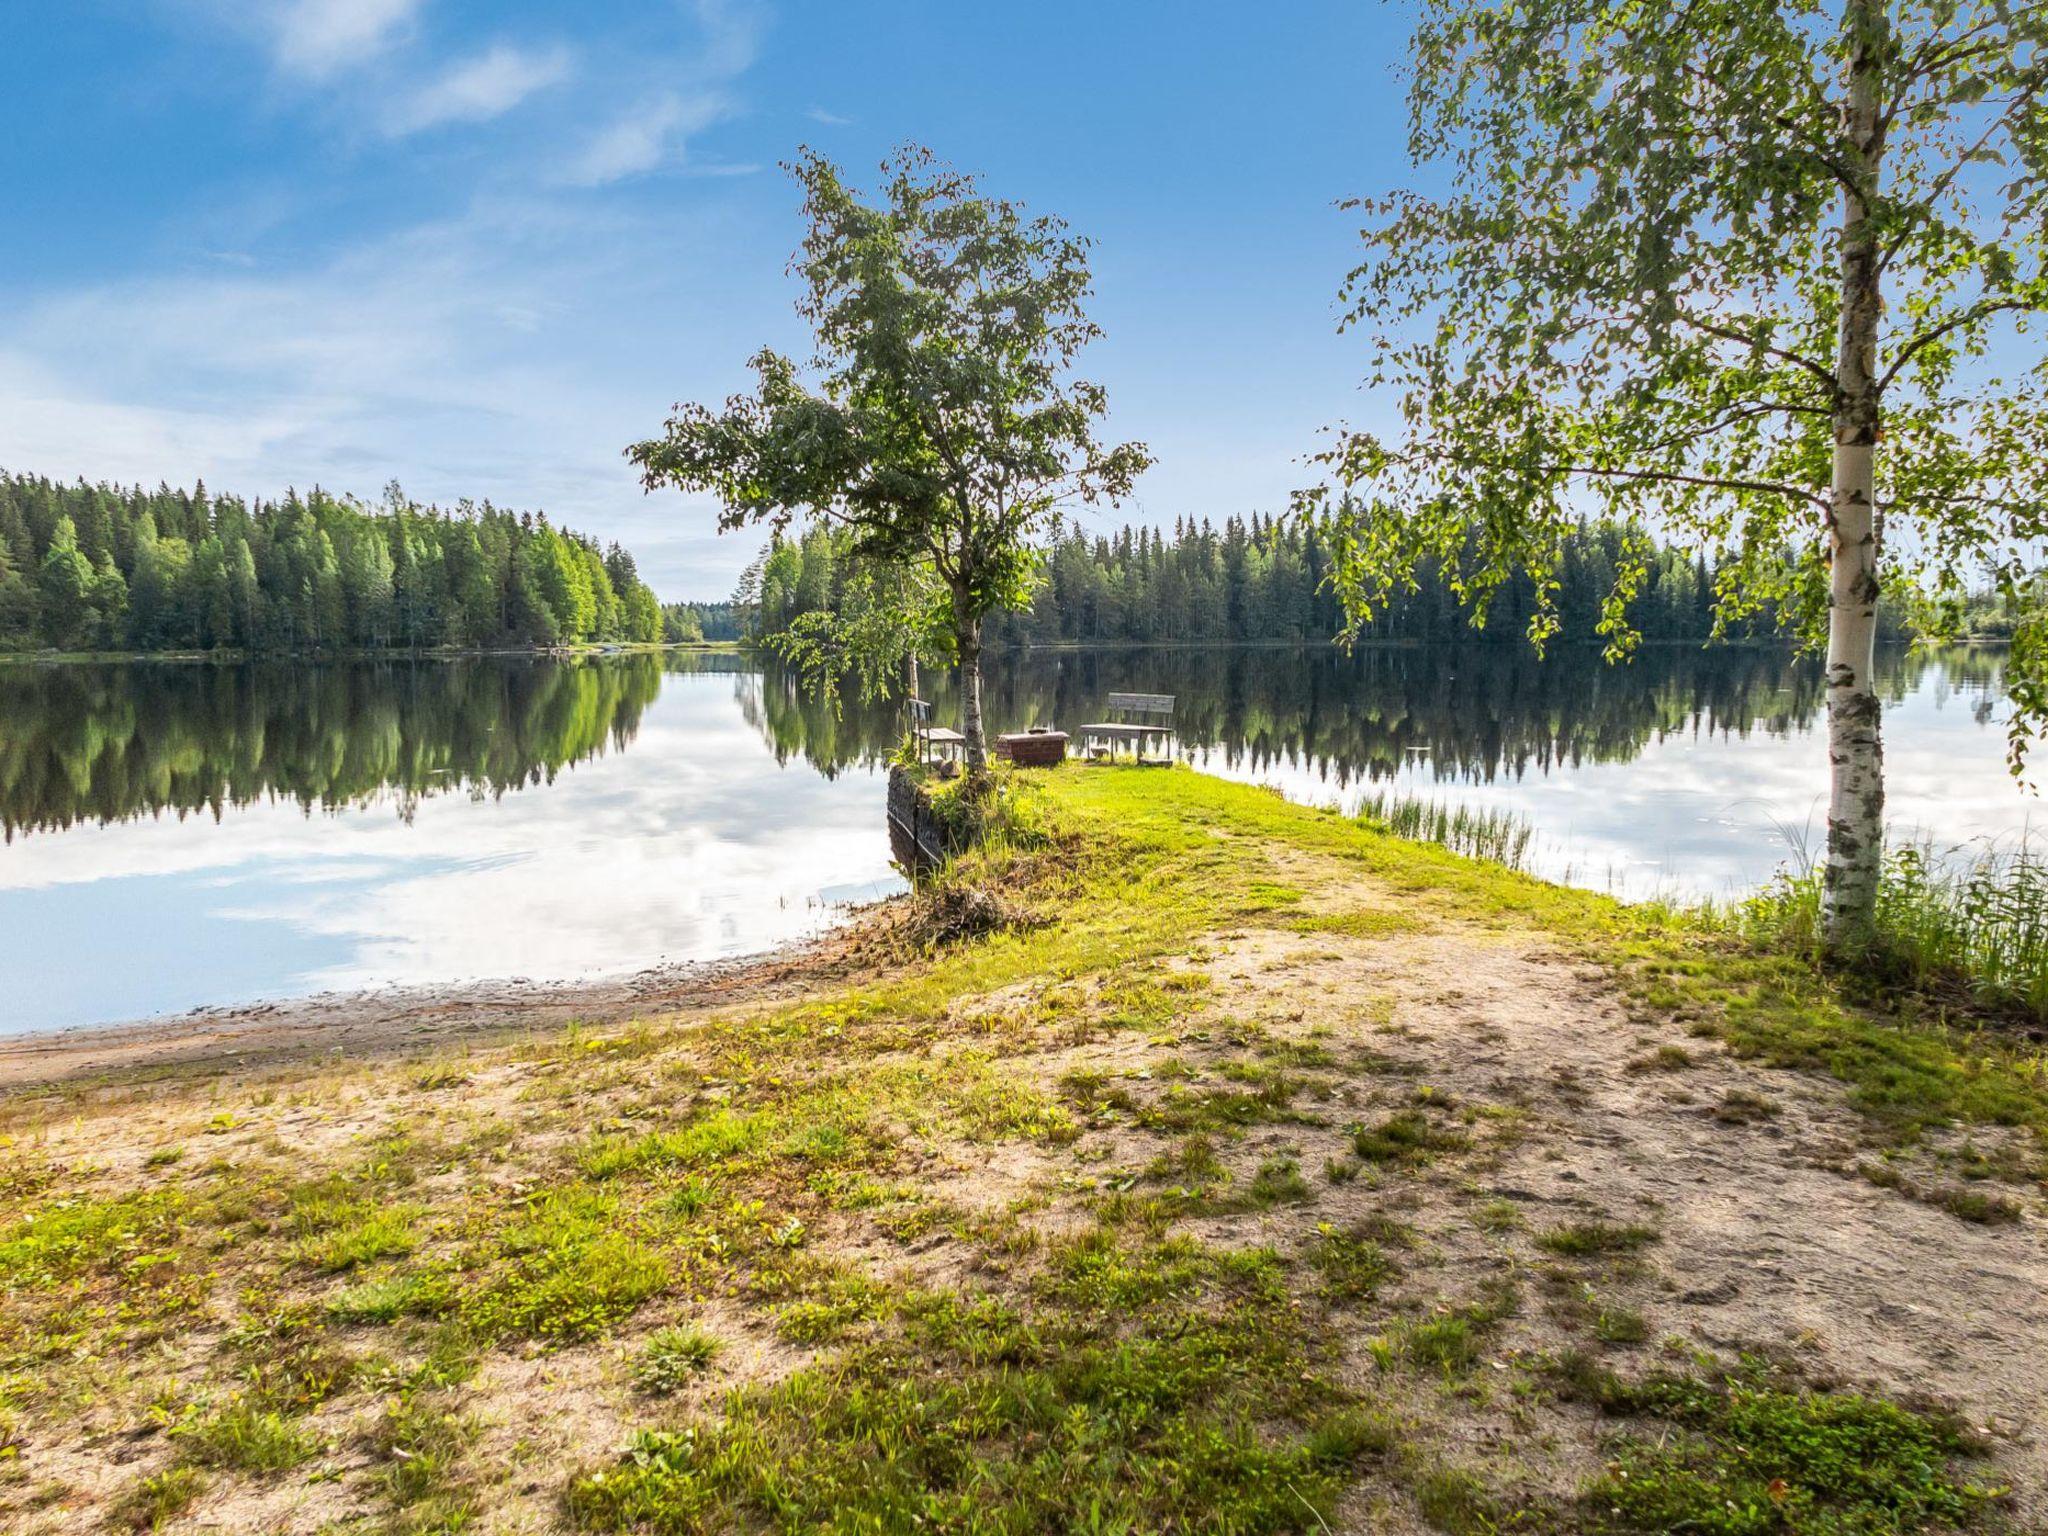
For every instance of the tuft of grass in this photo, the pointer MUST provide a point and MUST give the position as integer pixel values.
(1278, 1181)
(1594, 1239)
(159, 1497)
(1406, 1136)
(362, 1235)
(568, 1272)
(1456, 1501)
(386, 1300)
(672, 1358)
(1976, 1205)
(244, 1437)
(1666, 1058)
(1619, 1325)
(713, 1139)
(1985, 1207)
(423, 1447)
(1352, 1264)
(1741, 1106)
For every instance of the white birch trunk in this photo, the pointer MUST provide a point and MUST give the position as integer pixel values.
(1855, 749)
(970, 702)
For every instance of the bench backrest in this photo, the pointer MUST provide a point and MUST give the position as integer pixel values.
(920, 712)
(1141, 703)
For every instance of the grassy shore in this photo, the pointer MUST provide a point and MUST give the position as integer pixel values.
(1183, 1160)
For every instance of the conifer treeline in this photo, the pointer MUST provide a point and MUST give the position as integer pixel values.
(1256, 580)
(112, 568)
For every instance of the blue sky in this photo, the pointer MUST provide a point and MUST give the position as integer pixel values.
(479, 247)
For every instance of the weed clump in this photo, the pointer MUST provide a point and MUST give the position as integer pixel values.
(1406, 1137)
(1594, 1239)
(672, 1358)
(1752, 1452)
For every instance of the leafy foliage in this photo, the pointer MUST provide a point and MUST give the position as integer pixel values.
(945, 427)
(1627, 300)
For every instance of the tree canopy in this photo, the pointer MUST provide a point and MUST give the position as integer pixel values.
(1750, 273)
(942, 426)
(112, 568)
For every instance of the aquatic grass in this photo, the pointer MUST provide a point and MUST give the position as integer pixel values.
(1500, 837)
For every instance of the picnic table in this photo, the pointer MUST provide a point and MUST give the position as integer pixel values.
(1137, 721)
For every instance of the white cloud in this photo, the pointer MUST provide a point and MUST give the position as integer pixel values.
(479, 89)
(645, 138)
(507, 352)
(829, 119)
(319, 37)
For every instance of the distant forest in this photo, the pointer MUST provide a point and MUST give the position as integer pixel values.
(1255, 580)
(101, 567)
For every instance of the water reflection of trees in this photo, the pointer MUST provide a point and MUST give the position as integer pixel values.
(84, 743)
(1467, 713)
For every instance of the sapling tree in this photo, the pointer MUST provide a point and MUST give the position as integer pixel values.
(1758, 271)
(941, 424)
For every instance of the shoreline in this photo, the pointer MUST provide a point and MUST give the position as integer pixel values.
(235, 656)
(383, 1023)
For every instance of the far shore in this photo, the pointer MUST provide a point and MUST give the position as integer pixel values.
(427, 653)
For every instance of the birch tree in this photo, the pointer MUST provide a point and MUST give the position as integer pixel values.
(1758, 272)
(945, 428)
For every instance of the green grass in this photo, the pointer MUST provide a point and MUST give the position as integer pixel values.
(1148, 1386)
(1499, 837)
(1594, 1239)
(1406, 1137)
(672, 1358)
(1977, 928)
(159, 1498)
(1751, 1453)
(244, 1437)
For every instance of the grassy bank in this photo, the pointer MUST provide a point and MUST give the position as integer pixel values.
(1189, 1161)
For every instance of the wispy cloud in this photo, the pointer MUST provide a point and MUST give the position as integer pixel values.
(829, 119)
(479, 89)
(691, 95)
(317, 38)
(645, 138)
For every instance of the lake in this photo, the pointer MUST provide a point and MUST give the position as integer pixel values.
(189, 834)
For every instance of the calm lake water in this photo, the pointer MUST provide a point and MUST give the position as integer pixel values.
(179, 835)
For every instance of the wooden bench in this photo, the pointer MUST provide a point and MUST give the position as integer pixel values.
(1138, 721)
(935, 743)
